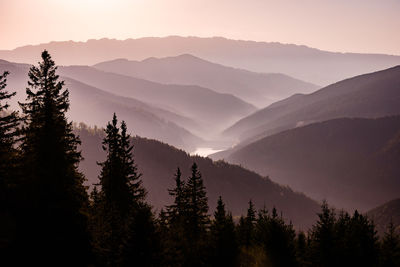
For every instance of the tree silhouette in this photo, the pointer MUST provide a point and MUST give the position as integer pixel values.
(8, 166)
(246, 227)
(56, 197)
(124, 226)
(223, 237)
(390, 248)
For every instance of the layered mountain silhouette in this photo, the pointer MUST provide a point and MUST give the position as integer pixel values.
(308, 64)
(158, 163)
(353, 163)
(260, 89)
(94, 106)
(384, 214)
(367, 96)
(210, 110)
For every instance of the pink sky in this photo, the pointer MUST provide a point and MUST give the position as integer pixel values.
(371, 26)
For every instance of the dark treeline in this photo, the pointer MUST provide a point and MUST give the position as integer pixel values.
(48, 218)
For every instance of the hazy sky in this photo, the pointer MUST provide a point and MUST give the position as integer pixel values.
(336, 25)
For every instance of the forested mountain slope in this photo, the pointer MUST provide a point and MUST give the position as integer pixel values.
(158, 162)
(353, 163)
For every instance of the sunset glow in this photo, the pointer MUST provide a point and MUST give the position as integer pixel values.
(362, 26)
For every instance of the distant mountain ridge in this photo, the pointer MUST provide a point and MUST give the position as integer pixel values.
(384, 214)
(370, 95)
(212, 111)
(353, 163)
(259, 89)
(95, 107)
(294, 60)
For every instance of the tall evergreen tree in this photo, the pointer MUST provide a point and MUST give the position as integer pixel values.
(362, 242)
(390, 248)
(8, 167)
(174, 223)
(246, 227)
(302, 249)
(197, 218)
(8, 134)
(55, 192)
(197, 205)
(130, 170)
(276, 238)
(324, 237)
(224, 245)
(177, 211)
(123, 224)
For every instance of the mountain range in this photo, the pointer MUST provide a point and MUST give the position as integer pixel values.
(366, 96)
(305, 63)
(95, 107)
(211, 111)
(260, 89)
(352, 163)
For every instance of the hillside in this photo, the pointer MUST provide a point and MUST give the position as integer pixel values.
(382, 215)
(158, 162)
(260, 89)
(95, 107)
(210, 110)
(298, 61)
(367, 96)
(353, 163)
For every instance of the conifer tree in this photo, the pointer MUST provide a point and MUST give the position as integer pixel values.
(113, 201)
(224, 244)
(361, 241)
(197, 205)
(130, 170)
(55, 194)
(8, 165)
(177, 211)
(174, 225)
(276, 238)
(8, 134)
(324, 238)
(8, 128)
(302, 249)
(390, 248)
(197, 218)
(246, 227)
(123, 223)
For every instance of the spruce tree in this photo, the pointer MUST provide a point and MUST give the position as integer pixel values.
(8, 167)
(324, 238)
(8, 134)
(390, 248)
(197, 219)
(174, 225)
(177, 211)
(276, 238)
(123, 223)
(302, 249)
(361, 242)
(246, 227)
(56, 196)
(130, 170)
(197, 205)
(223, 237)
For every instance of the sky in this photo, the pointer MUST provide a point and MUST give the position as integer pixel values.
(365, 26)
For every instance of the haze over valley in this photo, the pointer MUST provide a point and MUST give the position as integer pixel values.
(200, 144)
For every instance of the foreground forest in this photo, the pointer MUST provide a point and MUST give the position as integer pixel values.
(49, 217)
